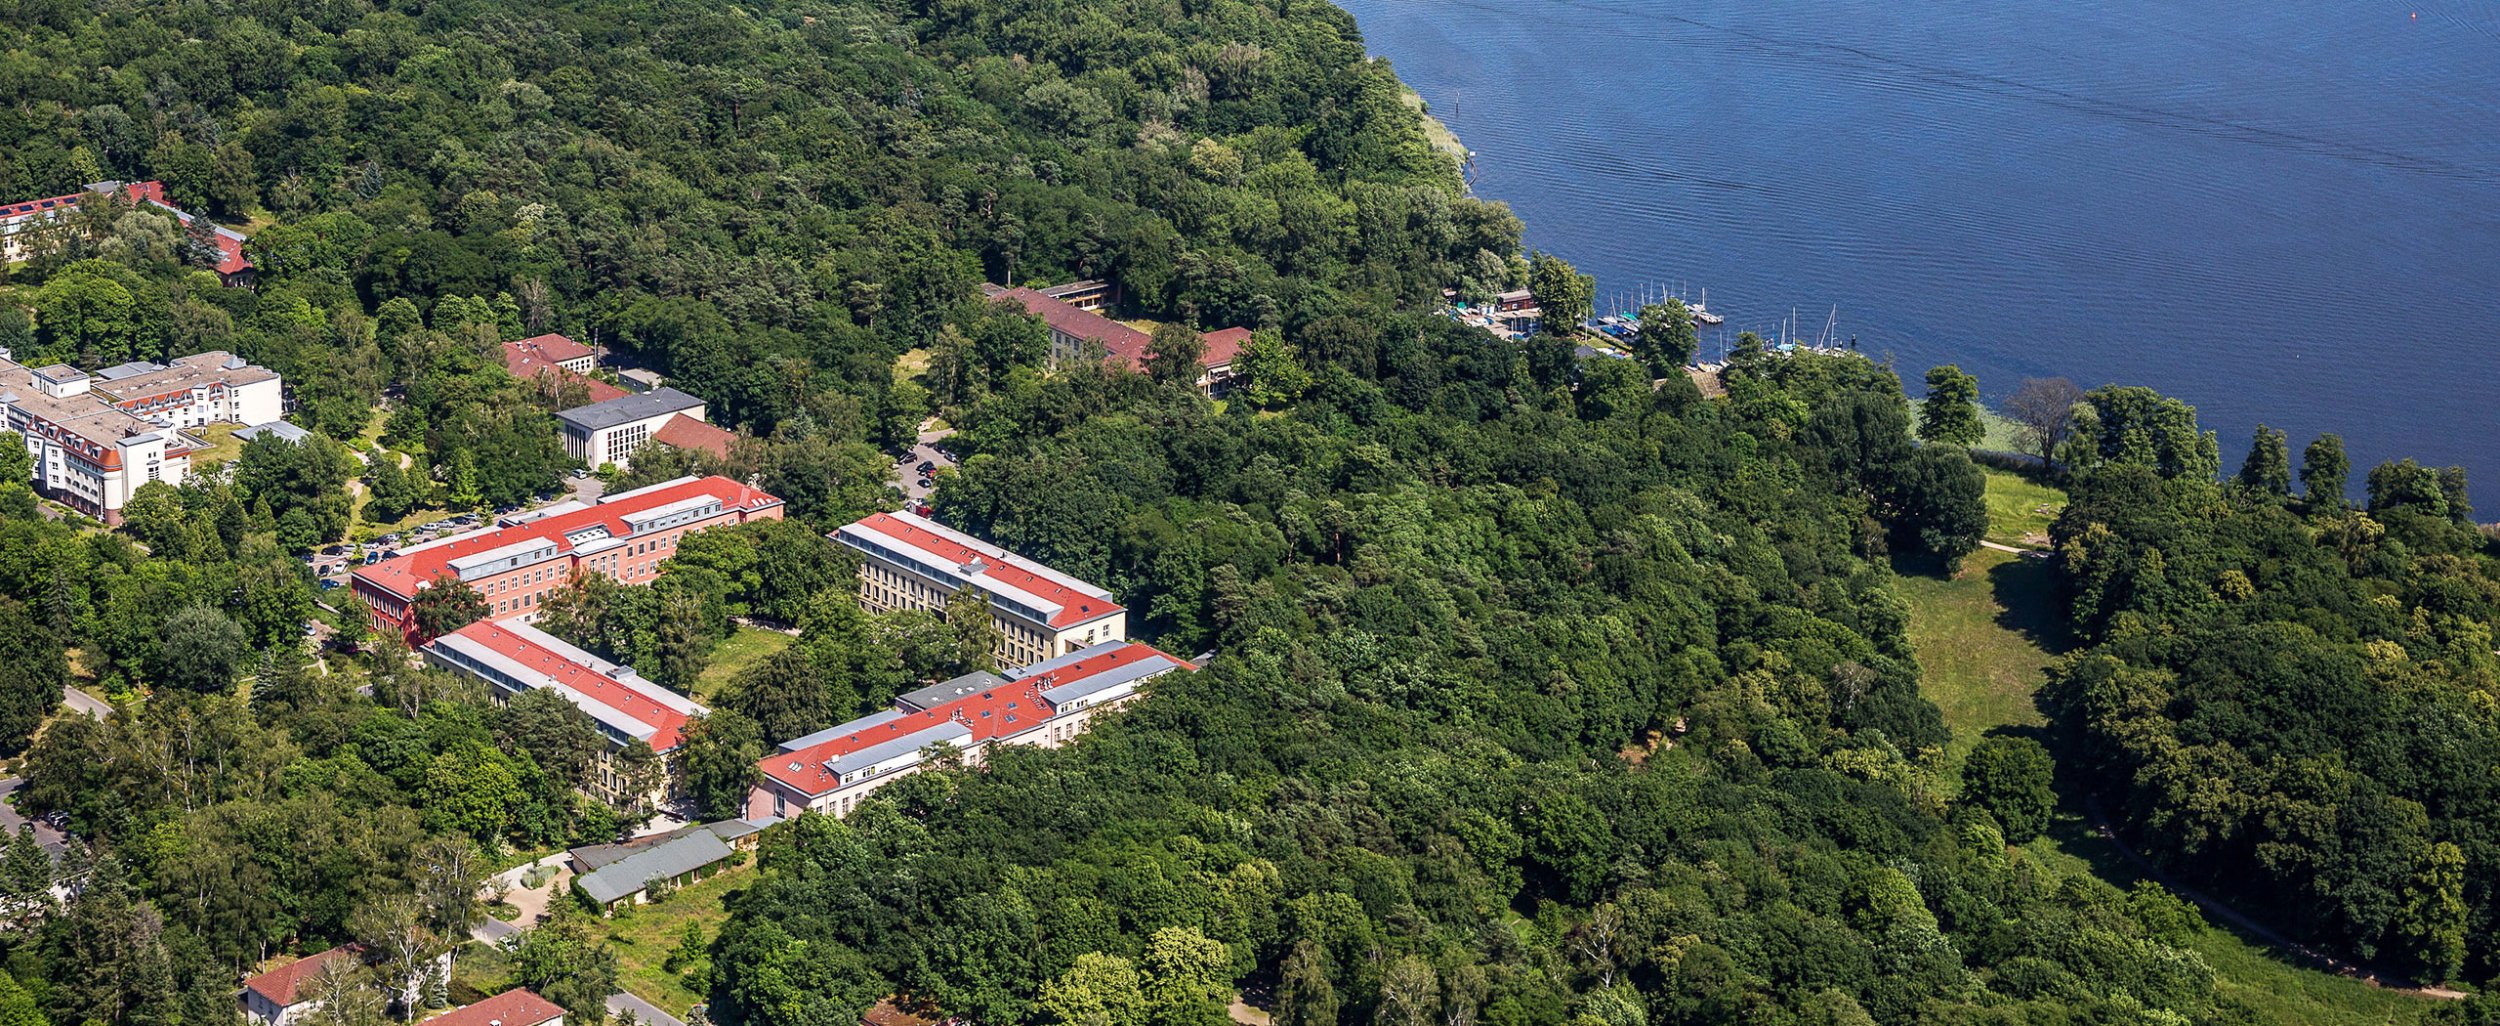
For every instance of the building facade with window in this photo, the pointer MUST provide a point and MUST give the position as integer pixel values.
(912, 562)
(1047, 705)
(610, 432)
(515, 567)
(88, 454)
(194, 391)
(513, 657)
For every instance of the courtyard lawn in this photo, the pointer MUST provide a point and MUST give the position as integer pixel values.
(744, 647)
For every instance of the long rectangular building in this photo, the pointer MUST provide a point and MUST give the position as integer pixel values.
(912, 562)
(515, 567)
(1047, 704)
(514, 657)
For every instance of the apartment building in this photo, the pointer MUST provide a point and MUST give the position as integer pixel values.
(88, 453)
(517, 565)
(194, 391)
(513, 657)
(610, 432)
(1047, 705)
(912, 562)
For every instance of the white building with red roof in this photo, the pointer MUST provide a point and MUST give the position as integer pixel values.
(516, 1007)
(281, 995)
(23, 223)
(1047, 704)
(513, 657)
(515, 567)
(912, 562)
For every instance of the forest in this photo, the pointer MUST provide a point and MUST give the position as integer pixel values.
(1545, 690)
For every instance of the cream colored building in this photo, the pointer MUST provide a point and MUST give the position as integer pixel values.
(913, 562)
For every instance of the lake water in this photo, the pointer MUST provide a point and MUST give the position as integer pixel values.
(2285, 212)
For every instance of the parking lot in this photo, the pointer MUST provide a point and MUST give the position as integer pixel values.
(927, 457)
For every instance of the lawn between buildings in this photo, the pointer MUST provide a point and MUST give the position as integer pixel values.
(744, 647)
(643, 936)
(1984, 641)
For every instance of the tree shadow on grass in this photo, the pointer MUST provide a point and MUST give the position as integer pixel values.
(2026, 589)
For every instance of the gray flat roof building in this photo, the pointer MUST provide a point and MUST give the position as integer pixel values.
(628, 409)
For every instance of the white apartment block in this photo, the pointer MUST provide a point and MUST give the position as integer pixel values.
(97, 439)
(1047, 704)
(194, 391)
(912, 562)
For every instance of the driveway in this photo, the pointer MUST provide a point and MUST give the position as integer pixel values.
(10, 819)
(649, 1014)
(533, 902)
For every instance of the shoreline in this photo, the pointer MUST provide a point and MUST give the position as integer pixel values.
(1436, 132)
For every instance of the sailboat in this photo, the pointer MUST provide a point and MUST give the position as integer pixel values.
(1701, 311)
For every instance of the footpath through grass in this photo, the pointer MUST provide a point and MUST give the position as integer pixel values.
(1984, 641)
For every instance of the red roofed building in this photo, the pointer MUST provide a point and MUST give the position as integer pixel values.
(917, 563)
(22, 223)
(553, 361)
(695, 435)
(1073, 327)
(515, 657)
(511, 1008)
(1047, 704)
(277, 997)
(516, 566)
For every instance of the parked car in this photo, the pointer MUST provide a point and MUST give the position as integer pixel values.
(329, 583)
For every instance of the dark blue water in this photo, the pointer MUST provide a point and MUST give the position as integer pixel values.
(2285, 212)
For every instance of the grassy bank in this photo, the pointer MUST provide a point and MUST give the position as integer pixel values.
(1984, 641)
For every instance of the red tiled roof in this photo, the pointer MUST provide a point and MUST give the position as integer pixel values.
(1133, 652)
(1123, 343)
(516, 1007)
(551, 346)
(987, 714)
(668, 724)
(686, 432)
(280, 985)
(1119, 338)
(1005, 567)
(1224, 346)
(532, 358)
(402, 574)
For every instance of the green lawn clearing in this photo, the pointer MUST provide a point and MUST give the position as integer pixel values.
(2020, 510)
(644, 936)
(1983, 640)
(744, 647)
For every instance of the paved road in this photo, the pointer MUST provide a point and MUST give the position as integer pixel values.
(81, 702)
(649, 1013)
